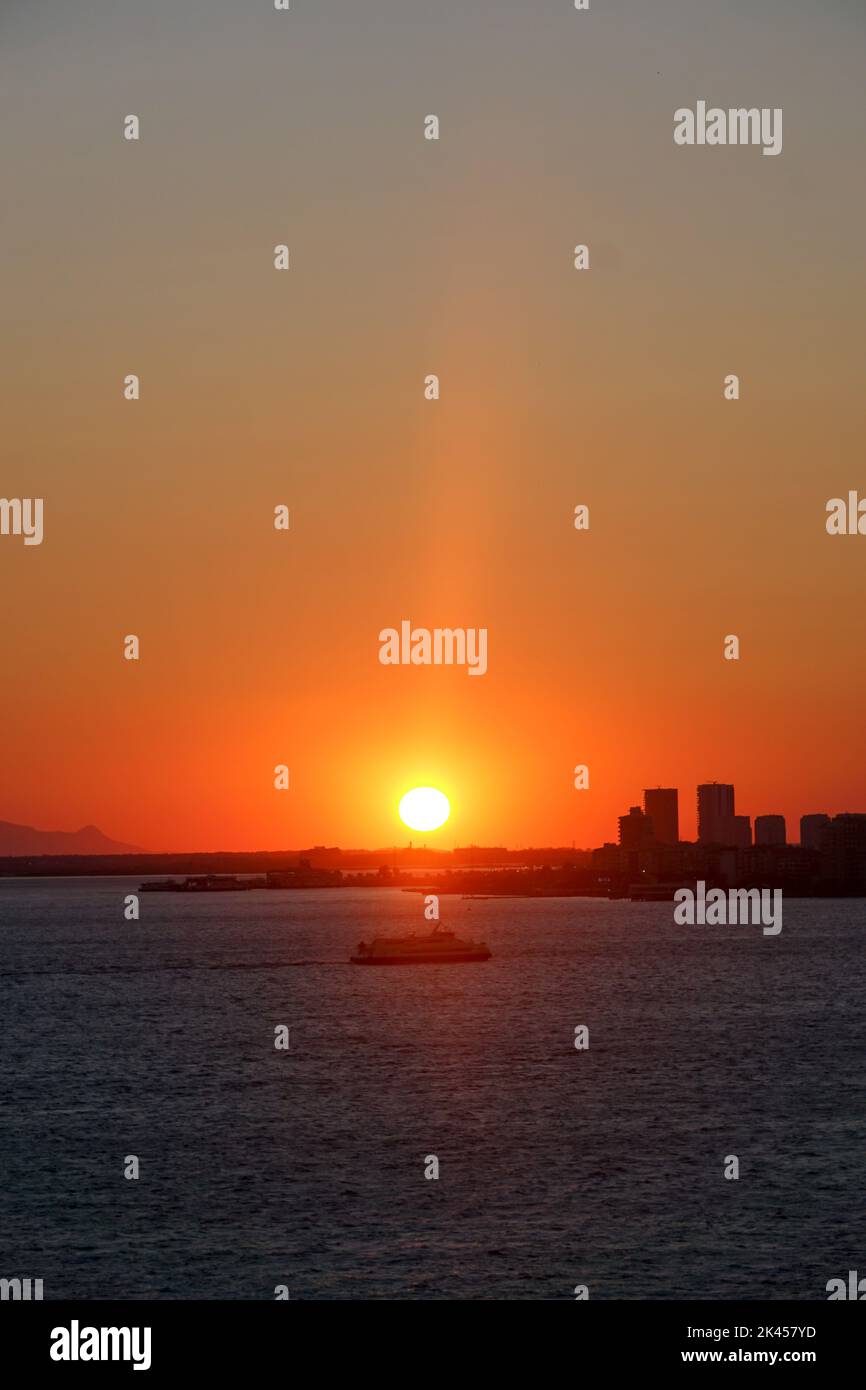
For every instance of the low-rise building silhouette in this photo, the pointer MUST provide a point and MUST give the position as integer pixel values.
(811, 828)
(770, 830)
(635, 830)
(742, 832)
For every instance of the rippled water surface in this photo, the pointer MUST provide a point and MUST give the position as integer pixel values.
(306, 1168)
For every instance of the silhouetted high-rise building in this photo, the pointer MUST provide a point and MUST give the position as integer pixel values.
(742, 832)
(843, 852)
(811, 828)
(661, 804)
(716, 814)
(635, 829)
(770, 830)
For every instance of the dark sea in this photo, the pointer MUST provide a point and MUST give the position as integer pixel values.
(558, 1167)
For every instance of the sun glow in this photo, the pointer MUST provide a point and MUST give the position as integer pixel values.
(424, 808)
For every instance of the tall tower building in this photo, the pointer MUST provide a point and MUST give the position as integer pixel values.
(770, 830)
(661, 804)
(716, 814)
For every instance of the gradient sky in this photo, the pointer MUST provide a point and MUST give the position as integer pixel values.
(306, 388)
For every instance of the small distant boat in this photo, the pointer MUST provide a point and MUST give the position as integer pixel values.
(440, 947)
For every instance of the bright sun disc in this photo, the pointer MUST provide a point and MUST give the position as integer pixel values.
(424, 808)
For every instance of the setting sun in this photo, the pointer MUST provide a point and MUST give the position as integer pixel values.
(424, 808)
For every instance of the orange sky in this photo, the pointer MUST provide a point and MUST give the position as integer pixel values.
(605, 387)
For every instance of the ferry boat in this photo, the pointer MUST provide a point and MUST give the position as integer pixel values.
(440, 947)
(203, 883)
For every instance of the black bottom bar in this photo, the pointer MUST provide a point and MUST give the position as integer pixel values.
(170, 1338)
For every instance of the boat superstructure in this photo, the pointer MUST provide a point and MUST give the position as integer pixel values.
(439, 947)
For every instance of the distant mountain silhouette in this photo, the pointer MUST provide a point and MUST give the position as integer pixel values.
(23, 839)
